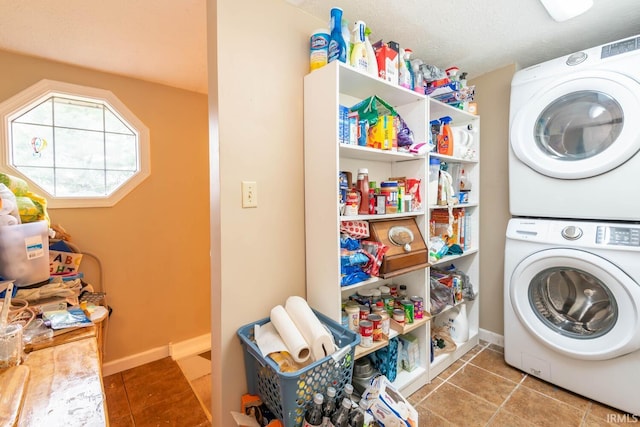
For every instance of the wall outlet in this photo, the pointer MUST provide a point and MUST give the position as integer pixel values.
(249, 194)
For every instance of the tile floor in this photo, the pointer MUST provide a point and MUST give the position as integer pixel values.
(478, 390)
(154, 394)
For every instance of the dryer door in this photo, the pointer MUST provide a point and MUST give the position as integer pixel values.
(577, 303)
(583, 125)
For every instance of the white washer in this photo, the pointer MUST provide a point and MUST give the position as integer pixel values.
(571, 306)
(574, 131)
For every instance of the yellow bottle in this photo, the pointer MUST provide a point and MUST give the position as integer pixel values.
(359, 58)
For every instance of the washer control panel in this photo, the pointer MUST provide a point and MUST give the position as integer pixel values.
(620, 47)
(572, 232)
(618, 236)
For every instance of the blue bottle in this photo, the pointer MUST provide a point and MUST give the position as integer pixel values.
(337, 45)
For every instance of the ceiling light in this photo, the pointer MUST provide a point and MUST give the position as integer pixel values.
(561, 10)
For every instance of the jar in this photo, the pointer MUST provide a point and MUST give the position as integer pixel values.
(389, 189)
(353, 316)
(352, 202)
(402, 292)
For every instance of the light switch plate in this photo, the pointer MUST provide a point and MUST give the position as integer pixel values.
(249, 194)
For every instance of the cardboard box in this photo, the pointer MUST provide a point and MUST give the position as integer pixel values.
(387, 58)
(388, 406)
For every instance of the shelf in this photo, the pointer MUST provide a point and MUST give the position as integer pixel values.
(453, 159)
(358, 285)
(381, 217)
(443, 361)
(367, 153)
(363, 351)
(451, 258)
(459, 205)
(408, 327)
(405, 379)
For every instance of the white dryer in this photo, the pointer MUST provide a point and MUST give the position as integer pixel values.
(572, 306)
(574, 133)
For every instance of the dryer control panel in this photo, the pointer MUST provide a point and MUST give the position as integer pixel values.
(618, 236)
(620, 47)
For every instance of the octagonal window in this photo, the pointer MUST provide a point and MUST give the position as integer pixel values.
(78, 146)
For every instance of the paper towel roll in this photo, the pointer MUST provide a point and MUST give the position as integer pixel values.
(8, 220)
(292, 337)
(319, 338)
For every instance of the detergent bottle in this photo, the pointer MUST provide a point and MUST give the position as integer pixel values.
(445, 138)
(405, 78)
(337, 46)
(359, 59)
(372, 62)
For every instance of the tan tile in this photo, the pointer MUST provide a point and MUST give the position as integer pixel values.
(494, 362)
(591, 421)
(428, 418)
(116, 396)
(450, 370)
(506, 419)
(484, 384)
(556, 392)
(497, 348)
(202, 388)
(147, 386)
(459, 406)
(615, 416)
(542, 410)
(424, 391)
(469, 354)
(178, 409)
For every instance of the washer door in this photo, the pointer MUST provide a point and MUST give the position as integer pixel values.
(583, 126)
(577, 303)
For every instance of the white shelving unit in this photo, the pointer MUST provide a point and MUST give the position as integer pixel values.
(469, 261)
(325, 90)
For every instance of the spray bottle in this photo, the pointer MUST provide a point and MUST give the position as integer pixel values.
(337, 46)
(405, 78)
(372, 62)
(445, 139)
(359, 59)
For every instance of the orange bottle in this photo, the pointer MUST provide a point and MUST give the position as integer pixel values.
(445, 138)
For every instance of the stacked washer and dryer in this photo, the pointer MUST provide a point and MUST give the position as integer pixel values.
(572, 252)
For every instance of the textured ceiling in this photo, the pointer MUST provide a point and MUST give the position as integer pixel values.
(164, 41)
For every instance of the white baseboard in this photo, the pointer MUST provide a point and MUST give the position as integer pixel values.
(190, 347)
(177, 350)
(491, 337)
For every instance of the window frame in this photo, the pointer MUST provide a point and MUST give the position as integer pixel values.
(18, 104)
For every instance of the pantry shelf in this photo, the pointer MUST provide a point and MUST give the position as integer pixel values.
(408, 327)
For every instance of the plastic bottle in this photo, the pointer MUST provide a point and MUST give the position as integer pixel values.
(372, 62)
(459, 323)
(418, 76)
(337, 46)
(313, 416)
(363, 187)
(405, 78)
(329, 406)
(346, 35)
(340, 418)
(465, 183)
(359, 59)
(445, 139)
(356, 417)
(319, 49)
(348, 393)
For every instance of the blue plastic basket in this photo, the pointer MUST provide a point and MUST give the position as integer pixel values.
(287, 394)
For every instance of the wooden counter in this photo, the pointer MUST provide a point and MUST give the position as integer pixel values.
(65, 386)
(64, 383)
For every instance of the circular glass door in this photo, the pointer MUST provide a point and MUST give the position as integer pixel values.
(576, 303)
(580, 127)
(573, 303)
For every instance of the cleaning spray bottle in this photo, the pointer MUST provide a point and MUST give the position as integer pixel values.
(359, 59)
(346, 34)
(445, 139)
(337, 46)
(405, 78)
(372, 62)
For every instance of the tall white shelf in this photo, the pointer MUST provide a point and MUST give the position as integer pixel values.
(325, 90)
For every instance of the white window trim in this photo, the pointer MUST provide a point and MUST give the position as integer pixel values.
(15, 106)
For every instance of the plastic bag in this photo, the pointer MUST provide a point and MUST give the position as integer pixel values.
(441, 296)
(370, 109)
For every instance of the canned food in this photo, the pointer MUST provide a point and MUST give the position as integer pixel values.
(389, 303)
(385, 324)
(398, 315)
(364, 312)
(408, 310)
(375, 320)
(366, 333)
(418, 307)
